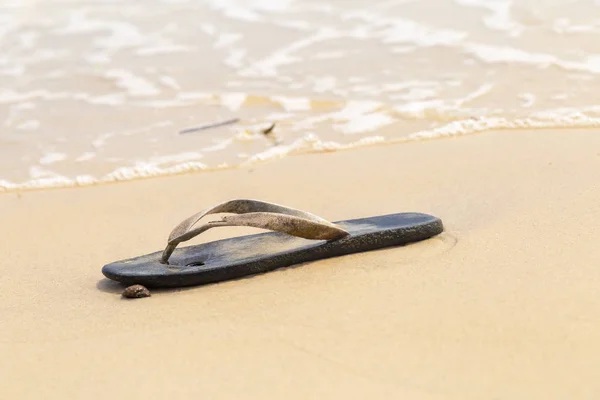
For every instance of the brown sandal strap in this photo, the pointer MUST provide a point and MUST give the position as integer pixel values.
(257, 214)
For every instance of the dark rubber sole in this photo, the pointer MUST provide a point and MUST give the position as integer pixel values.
(254, 254)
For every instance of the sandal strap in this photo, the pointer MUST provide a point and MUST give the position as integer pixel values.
(257, 214)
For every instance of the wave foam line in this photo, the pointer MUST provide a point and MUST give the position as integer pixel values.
(310, 144)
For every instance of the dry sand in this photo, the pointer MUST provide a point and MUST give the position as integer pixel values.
(504, 305)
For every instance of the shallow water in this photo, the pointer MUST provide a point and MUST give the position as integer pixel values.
(98, 91)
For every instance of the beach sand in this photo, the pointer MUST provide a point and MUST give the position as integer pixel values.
(505, 304)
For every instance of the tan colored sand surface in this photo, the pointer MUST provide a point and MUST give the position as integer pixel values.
(504, 305)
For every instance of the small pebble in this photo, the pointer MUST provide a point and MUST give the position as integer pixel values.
(136, 292)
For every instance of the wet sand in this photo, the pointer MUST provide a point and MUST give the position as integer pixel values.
(503, 305)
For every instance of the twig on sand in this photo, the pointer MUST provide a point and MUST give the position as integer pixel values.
(270, 135)
(208, 126)
(268, 130)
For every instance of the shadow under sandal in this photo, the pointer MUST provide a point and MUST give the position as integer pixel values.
(298, 237)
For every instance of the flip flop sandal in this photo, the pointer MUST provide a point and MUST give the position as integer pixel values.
(298, 237)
